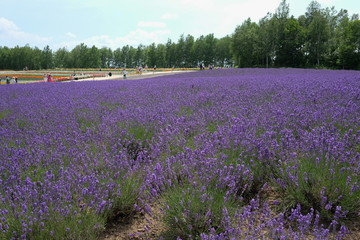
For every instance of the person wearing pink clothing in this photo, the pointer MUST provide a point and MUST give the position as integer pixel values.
(49, 78)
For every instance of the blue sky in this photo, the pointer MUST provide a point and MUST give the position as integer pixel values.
(115, 23)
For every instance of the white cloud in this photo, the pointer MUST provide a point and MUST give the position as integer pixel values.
(70, 35)
(7, 26)
(238, 12)
(11, 35)
(221, 17)
(168, 16)
(133, 38)
(326, 2)
(201, 4)
(151, 24)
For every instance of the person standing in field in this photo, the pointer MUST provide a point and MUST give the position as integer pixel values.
(7, 80)
(124, 73)
(49, 78)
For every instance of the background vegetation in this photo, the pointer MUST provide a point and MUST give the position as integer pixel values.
(322, 37)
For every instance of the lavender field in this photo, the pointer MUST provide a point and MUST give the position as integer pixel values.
(225, 154)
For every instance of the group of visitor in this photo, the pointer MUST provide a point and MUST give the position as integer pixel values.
(140, 69)
(8, 80)
(202, 66)
(48, 77)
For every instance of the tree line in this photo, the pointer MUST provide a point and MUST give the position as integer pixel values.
(186, 53)
(322, 37)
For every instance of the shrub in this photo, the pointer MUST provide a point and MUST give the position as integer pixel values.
(123, 202)
(328, 187)
(192, 210)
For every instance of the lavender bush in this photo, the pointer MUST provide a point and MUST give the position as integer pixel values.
(279, 150)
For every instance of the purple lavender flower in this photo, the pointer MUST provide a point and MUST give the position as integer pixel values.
(80, 147)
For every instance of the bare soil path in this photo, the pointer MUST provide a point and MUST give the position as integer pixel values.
(140, 227)
(132, 76)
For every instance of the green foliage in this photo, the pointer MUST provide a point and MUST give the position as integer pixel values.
(141, 133)
(191, 210)
(123, 203)
(82, 224)
(4, 114)
(185, 111)
(245, 44)
(322, 185)
(22, 123)
(212, 127)
(86, 120)
(261, 169)
(232, 155)
(85, 123)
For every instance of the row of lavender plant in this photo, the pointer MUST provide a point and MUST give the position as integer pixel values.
(230, 154)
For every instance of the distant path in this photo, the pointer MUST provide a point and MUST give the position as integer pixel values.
(69, 76)
(132, 76)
